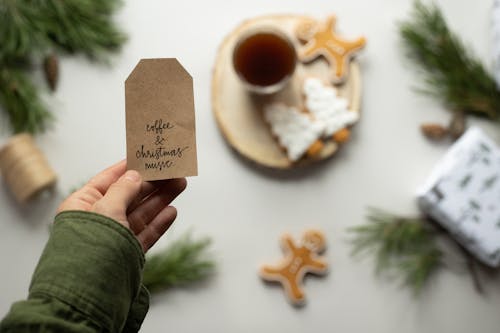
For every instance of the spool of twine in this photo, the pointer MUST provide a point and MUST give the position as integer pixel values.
(24, 168)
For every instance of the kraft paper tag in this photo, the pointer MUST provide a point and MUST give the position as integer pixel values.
(159, 104)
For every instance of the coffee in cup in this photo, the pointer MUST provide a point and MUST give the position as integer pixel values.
(265, 60)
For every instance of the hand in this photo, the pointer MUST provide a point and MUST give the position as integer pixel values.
(142, 207)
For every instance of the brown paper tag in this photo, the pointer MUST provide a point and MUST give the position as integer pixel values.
(159, 104)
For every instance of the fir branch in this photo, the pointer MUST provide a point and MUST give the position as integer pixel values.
(20, 31)
(404, 246)
(26, 111)
(184, 261)
(30, 29)
(451, 72)
(85, 27)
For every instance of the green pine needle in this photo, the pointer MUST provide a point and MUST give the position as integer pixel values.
(451, 72)
(403, 246)
(184, 261)
(27, 113)
(19, 30)
(83, 26)
(29, 29)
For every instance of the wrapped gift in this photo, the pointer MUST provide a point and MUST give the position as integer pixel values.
(463, 195)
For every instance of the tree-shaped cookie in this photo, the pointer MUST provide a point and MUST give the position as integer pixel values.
(321, 40)
(296, 131)
(298, 261)
(323, 102)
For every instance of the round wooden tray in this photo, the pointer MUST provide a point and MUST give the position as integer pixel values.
(238, 113)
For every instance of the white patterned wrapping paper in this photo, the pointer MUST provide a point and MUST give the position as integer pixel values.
(463, 195)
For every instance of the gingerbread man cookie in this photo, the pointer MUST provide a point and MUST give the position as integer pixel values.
(298, 261)
(323, 41)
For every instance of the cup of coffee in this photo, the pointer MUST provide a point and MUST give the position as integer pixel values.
(264, 59)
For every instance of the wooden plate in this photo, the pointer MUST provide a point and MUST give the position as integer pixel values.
(239, 114)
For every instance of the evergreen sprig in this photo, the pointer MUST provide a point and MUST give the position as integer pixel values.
(20, 98)
(184, 261)
(82, 26)
(451, 72)
(403, 246)
(19, 31)
(30, 29)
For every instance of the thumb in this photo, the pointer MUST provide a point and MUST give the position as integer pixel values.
(119, 196)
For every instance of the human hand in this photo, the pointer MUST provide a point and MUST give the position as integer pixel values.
(142, 207)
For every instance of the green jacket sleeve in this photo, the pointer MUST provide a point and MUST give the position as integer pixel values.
(88, 279)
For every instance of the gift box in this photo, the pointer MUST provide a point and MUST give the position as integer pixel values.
(463, 195)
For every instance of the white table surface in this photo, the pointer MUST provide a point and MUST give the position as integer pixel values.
(245, 210)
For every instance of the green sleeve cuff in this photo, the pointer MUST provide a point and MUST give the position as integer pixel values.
(93, 264)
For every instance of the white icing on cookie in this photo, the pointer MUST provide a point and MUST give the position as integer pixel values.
(295, 130)
(327, 107)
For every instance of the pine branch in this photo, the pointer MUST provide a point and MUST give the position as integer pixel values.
(20, 31)
(27, 113)
(184, 261)
(403, 246)
(85, 27)
(30, 29)
(451, 72)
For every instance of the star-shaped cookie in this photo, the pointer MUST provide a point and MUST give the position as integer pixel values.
(323, 41)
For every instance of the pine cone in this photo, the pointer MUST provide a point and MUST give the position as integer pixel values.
(51, 68)
(434, 131)
(457, 125)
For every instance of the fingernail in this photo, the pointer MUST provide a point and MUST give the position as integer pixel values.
(132, 175)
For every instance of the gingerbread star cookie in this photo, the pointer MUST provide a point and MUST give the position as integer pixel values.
(330, 109)
(323, 41)
(296, 131)
(299, 260)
